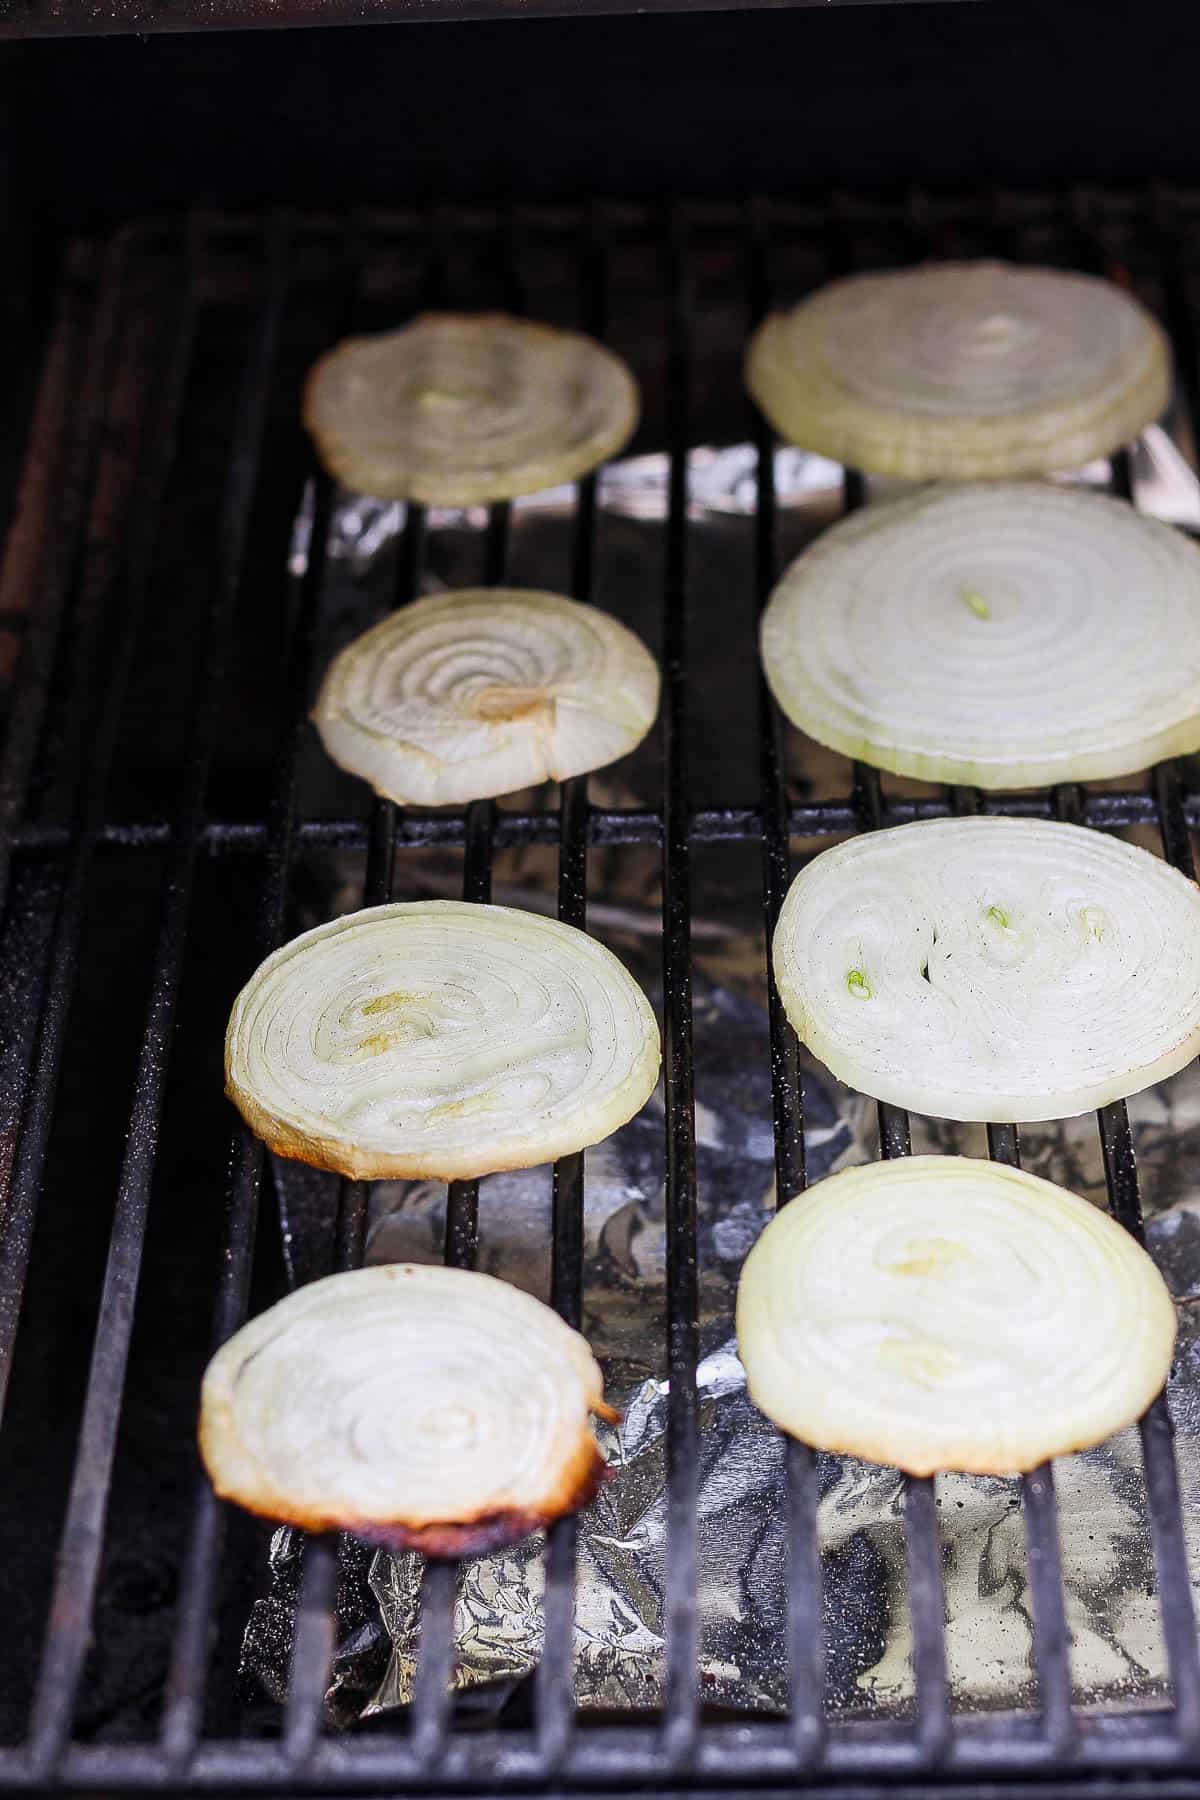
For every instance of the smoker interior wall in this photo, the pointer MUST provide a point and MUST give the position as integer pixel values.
(698, 104)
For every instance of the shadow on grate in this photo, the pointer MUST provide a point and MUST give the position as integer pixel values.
(97, 776)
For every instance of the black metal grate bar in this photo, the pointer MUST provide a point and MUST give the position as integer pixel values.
(555, 1680)
(432, 1693)
(1110, 810)
(79, 1555)
(928, 1606)
(312, 1650)
(680, 1570)
(1052, 1638)
(756, 1751)
(1173, 819)
(785, 1069)
(806, 1659)
(554, 1695)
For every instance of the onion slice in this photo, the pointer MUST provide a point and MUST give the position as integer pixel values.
(1005, 635)
(938, 1312)
(957, 371)
(992, 968)
(458, 408)
(439, 1038)
(484, 691)
(428, 1408)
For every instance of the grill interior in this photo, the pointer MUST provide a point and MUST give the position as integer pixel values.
(167, 570)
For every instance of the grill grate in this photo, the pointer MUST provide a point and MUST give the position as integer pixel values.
(87, 613)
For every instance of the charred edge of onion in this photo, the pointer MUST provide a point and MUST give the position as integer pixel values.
(495, 1530)
(447, 1539)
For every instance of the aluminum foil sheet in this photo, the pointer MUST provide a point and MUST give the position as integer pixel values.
(1117, 1650)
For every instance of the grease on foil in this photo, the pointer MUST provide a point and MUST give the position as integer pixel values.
(1117, 1651)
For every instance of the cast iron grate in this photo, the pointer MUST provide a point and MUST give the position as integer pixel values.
(155, 286)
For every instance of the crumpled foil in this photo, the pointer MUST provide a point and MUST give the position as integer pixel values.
(1117, 1654)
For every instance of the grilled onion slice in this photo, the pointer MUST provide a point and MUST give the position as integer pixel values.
(439, 1038)
(1004, 635)
(458, 408)
(481, 692)
(938, 1312)
(955, 371)
(992, 968)
(428, 1408)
